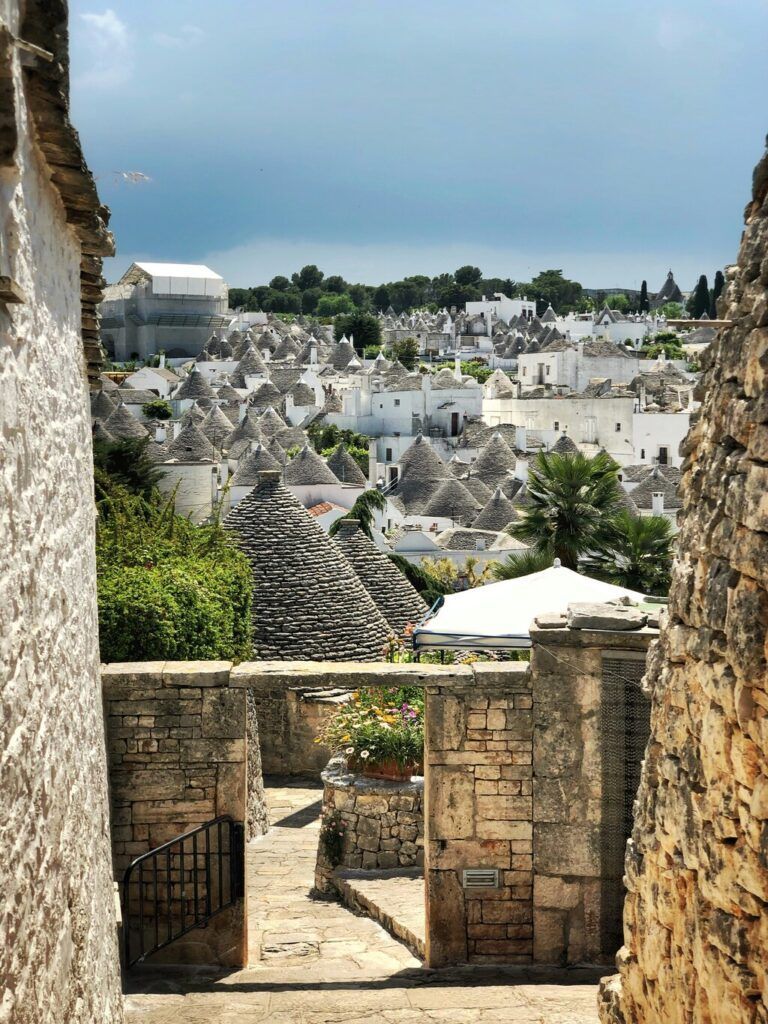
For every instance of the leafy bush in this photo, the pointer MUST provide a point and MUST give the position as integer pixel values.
(158, 409)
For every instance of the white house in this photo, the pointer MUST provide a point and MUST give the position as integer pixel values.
(502, 308)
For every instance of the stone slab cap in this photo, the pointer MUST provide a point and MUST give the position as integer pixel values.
(551, 621)
(346, 674)
(128, 674)
(196, 673)
(510, 675)
(605, 616)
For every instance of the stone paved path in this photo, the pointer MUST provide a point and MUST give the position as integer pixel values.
(317, 963)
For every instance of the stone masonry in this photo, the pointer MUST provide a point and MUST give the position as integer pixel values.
(696, 914)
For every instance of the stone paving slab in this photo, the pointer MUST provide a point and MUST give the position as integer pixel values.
(315, 962)
(393, 898)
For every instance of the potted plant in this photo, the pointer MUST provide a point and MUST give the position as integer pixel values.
(380, 732)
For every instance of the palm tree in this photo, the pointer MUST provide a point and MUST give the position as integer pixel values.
(522, 563)
(363, 509)
(572, 501)
(637, 554)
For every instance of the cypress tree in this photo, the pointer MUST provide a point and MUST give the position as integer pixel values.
(644, 304)
(700, 298)
(719, 285)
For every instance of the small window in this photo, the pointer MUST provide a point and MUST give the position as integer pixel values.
(642, 453)
(618, 428)
(548, 369)
(663, 456)
(397, 401)
(556, 425)
(525, 371)
(388, 455)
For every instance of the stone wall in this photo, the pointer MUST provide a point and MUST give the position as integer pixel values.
(58, 948)
(479, 809)
(383, 821)
(176, 739)
(696, 915)
(289, 721)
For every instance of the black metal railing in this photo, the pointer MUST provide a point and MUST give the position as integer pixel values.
(181, 885)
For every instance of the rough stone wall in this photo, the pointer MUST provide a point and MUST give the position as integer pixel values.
(479, 806)
(289, 721)
(176, 739)
(58, 949)
(384, 821)
(696, 914)
(576, 887)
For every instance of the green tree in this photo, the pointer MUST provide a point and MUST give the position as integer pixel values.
(672, 311)
(719, 284)
(644, 303)
(381, 298)
(365, 507)
(331, 304)
(307, 277)
(637, 554)
(407, 351)
(468, 276)
(619, 301)
(699, 301)
(572, 502)
(522, 563)
(549, 286)
(335, 283)
(363, 327)
(309, 299)
(238, 297)
(280, 283)
(158, 409)
(125, 464)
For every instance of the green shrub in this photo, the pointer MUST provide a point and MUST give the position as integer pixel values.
(158, 409)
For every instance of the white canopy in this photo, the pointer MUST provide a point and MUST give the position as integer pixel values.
(500, 614)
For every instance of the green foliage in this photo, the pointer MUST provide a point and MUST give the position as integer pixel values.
(717, 289)
(358, 452)
(407, 351)
(365, 507)
(363, 328)
(637, 554)
(572, 501)
(308, 277)
(327, 436)
(158, 409)
(379, 725)
(430, 588)
(644, 302)
(618, 300)
(549, 286)
(167, 589)
(700, 299)
(672, 311)
(523, 563)
(476, 368)
(125, 463)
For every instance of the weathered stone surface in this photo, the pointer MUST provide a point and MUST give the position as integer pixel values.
(695, 916)
(605, 616)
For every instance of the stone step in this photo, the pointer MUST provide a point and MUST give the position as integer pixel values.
(394, 898)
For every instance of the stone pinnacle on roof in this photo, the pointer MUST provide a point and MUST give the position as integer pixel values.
(453, 501)
(123, 426)
(344, 467)
(549, 316)
(194, 386)
(398, 602)
(341, 354)
(495, 461)
(497, 514)
(191, 445)
(308, 602)
(307, 467)
(251, 464)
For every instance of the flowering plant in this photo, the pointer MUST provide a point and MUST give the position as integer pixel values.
(332, 836)
(379, 726)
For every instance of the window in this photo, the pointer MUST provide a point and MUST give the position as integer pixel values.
(397, 401)
(388, 455)
(556, 425)
(525, 371)
(548, 369)
(618, 428)
(663, 456)
(642, 453)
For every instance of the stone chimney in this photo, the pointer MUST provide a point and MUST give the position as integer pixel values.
(161, 362)
(372, 461)
(521, 439)
(657, 503)
(457, 368)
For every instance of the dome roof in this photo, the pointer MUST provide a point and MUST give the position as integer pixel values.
(191, 445)
(308, 602)
(345, 468)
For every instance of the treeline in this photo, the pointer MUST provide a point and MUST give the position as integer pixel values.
(310, 292)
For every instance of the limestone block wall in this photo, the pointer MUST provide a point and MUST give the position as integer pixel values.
(290, 719)
(383, 819)
(176, 739)
(479, 809)
(696, 914)
(58, 948)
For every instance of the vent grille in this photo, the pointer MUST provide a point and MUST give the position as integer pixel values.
(480, 878)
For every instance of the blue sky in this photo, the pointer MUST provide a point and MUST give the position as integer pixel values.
(380, 138)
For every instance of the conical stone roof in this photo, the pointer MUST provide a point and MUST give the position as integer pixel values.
(421, 473)
(191, 445)
(453, 501)
(194, 414)
(102, 405)
(216, 427)
(495, 462)
(498, 513)
(565, 446)
(247, 429)
(654, 483)
(308, 602)
(251, 364)
(265, 396)
(123, 426)
(270, 422)
(251, 464)
(399, 603)
(194, 386)
(101, 434)
(344, 467)
(226, 393)
(481, 492)
(307, 467)
(341, 354)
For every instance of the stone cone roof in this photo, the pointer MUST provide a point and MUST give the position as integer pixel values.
(421, 473)
(481, 492)
(457, 467)
(656, 482)
(565, 446)
(307, 467)
(495, 462)
(344, 467)
(123, 426)
(497, 514)
(308, 602)
(194, 386)
(399, 603)
(286, 349)
(227, 393)
(277, 451)
(453, 501)
(626, 503)
(251, 464)
(191, 445)
(102, 405)
(100, 433)
(248, 429)
(251, 364)
(270, 422)
(302, 394)
(341, 354)
(266, 395)
(194, 414)
(290, 437)
(216, 427)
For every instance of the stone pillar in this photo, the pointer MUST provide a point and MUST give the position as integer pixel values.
(696, 913)
(478, 809)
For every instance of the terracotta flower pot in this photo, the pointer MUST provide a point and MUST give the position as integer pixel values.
(389, 770)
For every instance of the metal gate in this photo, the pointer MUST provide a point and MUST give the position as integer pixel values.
(181, 885)
(624, 729)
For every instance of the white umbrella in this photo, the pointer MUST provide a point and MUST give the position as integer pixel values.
(500, 614)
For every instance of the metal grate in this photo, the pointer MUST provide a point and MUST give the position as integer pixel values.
(624, 730)
(480, 878)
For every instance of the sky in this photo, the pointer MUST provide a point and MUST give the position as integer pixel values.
(381, 138)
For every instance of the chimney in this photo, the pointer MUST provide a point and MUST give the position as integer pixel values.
(176, 428)
(313, 355)
(161, 363)
(457, 368)
(372, 461)
(521, 439)
(160, 433)
(214, 484)
(657, 503)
